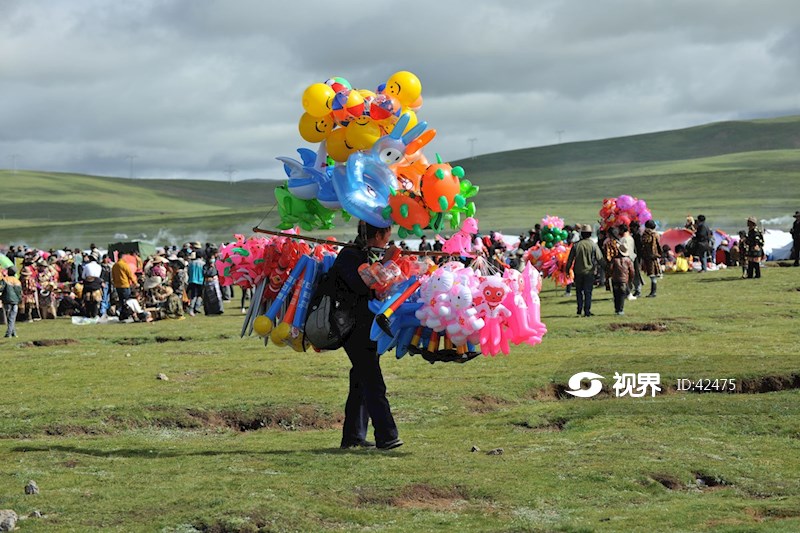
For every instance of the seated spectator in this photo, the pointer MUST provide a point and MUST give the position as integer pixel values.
(723, 254)
(667, 258)
(70, 305)
(135, 307)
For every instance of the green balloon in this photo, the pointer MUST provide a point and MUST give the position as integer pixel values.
(308, 214)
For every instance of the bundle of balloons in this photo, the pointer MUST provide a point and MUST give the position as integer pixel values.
(550, 255)
(265, 265)
(369, 162)
(623, 210)
(449, 313)
(453, 311)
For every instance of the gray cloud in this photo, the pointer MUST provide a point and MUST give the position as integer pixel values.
(191, 87)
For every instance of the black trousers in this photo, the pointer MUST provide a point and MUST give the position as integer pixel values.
(753, 266)
(367, 396)
(620, 293)
(122, 296)
(583, 284)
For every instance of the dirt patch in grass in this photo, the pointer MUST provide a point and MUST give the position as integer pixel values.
(295, 418)
(72, 430)
(486, 403)
(654, 327)
(254, 522)
(288, 418)
(769, 384)
(292, 418)
(49, 342)
(707, 482)
(772, 513)
(172, 339)
(669, 481)
(550, 424)
(414, 496)
(134, 341)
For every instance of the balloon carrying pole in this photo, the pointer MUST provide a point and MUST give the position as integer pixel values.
(332, 242)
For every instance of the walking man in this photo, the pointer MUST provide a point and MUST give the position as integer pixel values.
(583, 258)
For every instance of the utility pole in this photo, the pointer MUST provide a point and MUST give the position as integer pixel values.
(130, 158)
(230, 171)
(559, 132)
(13, 158)
(472, 147)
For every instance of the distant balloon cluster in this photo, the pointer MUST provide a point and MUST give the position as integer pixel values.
(369, 162)
(623, 210)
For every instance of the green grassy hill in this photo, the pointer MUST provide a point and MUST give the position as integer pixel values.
(726, 170)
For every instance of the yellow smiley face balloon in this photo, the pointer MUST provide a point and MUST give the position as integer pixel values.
(314, 129)
(362, 132)
(404, 86)
(318, 99)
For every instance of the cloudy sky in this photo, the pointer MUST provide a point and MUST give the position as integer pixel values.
(190, 88)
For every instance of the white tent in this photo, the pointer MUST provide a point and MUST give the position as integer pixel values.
(777, 244)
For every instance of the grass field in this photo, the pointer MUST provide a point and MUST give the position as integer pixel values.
(728, 171)
(245, 438)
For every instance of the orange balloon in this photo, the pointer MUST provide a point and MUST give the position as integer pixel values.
(408, 210)
(440, 187)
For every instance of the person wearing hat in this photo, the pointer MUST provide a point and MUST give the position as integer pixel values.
(583, 258)
(11, 296)
(30, 293)
(47, 281)
(196, 280)
(620, 270)
(795, 231)
(651, 256)
(755, 248)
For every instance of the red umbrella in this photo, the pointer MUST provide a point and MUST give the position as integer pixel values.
(675, 236)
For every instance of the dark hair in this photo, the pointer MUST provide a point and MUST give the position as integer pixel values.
(650, 224)
(623, 228)
(366, 232)
(10, 270)
(701, 218)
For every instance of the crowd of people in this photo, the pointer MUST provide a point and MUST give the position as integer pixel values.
(169, 284)
(173, 282)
